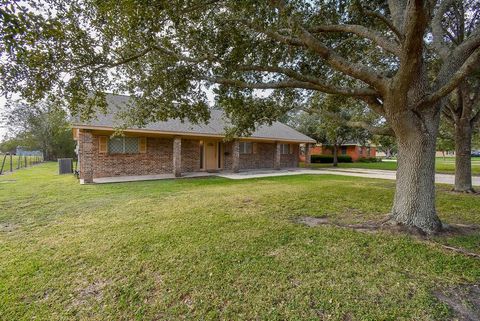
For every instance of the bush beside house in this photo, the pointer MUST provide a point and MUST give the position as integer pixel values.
(327, 159)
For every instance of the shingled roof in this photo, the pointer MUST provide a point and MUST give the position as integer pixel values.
(215, 126)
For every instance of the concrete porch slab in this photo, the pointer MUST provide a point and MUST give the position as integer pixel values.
(244, 174)
(121, 179)
(258, 173)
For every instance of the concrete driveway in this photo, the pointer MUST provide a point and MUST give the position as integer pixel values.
(385, 174)
(357, 172)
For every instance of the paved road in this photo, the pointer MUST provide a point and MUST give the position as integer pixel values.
(385, 174)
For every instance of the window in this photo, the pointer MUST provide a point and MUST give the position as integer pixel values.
(246, 148)
(360, 150)
(344, 150)
(284, 148)
(123, 145)
(368, 151)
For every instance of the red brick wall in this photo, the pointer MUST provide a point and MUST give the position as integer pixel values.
(263, 158)
(352, 151)
(190, 155)
(159, 158)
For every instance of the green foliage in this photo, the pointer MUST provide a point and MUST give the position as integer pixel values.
(326, 119)
(42, 126)
(386, 144)
(166, 54)
(325, 159)
(445, 139)
(369, 160)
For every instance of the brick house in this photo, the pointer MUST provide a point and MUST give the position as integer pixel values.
(354, 150)
(175, 147)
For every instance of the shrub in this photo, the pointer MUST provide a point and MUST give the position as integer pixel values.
(369, 160)
(328, 159)
(344, 159)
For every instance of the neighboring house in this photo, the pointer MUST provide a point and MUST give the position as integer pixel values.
(175, 147)
(445, 153)
(22, 151)
(354, 150)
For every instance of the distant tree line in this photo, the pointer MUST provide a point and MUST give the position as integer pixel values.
(42, 126)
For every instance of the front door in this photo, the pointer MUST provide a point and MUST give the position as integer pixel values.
(211, 161)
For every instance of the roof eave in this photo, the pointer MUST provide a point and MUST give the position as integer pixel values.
(164, 132)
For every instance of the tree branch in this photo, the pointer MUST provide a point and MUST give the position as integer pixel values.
(448, 117)
(416, 22)
(438, 30)
(386, 21)
(327, 88)
(385, 131)
(112, 64)
(374, 104)
(266, 85)
(360, 31)
(476, 119)
(468, 66)
(337, 62)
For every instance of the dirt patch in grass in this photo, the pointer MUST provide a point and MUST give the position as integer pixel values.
(7, 227)
(463, 300)
(313, 221)
(93, 291)
(387, 225)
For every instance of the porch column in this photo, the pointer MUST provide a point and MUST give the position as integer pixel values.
(296, 154)
(278, 155)
(307, 154)
(177, 156)
(85, 141)
(236, 156)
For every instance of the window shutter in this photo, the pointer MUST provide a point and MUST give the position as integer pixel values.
(75, 133)
(102, 144)
(143, 145)
(254, 148)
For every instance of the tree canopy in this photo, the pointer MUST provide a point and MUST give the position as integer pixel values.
(167, 53)
(42, 126)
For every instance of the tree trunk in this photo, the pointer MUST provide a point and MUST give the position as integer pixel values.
(335, 156)
(414, 202)
(463, 162)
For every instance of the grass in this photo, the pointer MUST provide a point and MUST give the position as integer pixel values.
(446, 166)
(218, 249)
(15, 162)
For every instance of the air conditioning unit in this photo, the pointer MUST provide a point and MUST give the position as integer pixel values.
(65, 166)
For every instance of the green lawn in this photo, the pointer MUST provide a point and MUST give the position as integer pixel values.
(446, 165)
(218, 249)
(15, 162)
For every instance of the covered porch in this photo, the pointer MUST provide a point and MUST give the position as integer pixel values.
(153, 155)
